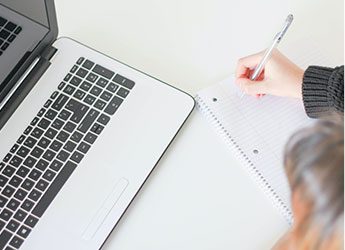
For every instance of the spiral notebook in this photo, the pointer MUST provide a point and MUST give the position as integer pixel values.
(256, 131)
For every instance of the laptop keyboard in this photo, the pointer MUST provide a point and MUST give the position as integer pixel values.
(54, 143)
(8, 32)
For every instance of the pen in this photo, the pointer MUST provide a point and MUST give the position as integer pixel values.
(279, 36)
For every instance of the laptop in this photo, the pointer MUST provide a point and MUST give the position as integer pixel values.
(80, 133)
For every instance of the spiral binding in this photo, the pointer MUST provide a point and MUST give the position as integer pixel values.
(253, 171)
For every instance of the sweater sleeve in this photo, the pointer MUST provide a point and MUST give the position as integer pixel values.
(323, 90)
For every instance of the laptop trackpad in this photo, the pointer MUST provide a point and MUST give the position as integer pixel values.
(105, 209)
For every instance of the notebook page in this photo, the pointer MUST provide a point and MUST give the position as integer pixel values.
(258, 130)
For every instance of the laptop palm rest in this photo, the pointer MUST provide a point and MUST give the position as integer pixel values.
(105, 209)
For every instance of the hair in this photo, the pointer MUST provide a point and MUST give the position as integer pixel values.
(314, 163)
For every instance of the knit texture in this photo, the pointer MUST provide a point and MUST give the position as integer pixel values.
(323, 90)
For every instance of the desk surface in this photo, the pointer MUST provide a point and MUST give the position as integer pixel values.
(198, 197)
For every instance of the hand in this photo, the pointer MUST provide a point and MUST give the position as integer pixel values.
(280, 77)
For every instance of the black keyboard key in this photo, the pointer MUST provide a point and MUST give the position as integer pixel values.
(41, 112)
(14, 148)
(6, 214)
(35, 195)
(3, 21)
(54, 188)
(61, 85)
(76, 136)
(44, 123)
(102, 82)
(24, 231)
(69, 90)
(34, 121)
(54, 95)
(4, 34)
(57, 124)
(37, 133)
(56, 146)
(31, 221)
(129, 84)
(96, 91)
(3, 180)
(60, 102)
(18, 30)
(64, 114)
(85, 86)
(122, 92)
(28, 130)
(91, 77)
(112, 87)
(27, 205)
(47, 104)
(5, 237)
(21, 139)
(79, 94)
(82, 72)
(11, 38)
(20, 215)
(80, 60)
(98, 69)
(28, 184)
(69, 127)
(16, 242)
(103, 119)
(42, 165)
(88, 64)
(3, 201)
(77, 157)
(2, 166)
(23, 171)
(10, 26)
(37, 152)
(90, 138)
(63, 156)
(44, 142)
(51, 133)
(12, 225)
(7, 157)
(113, 105)
(63, 136)
(13, 204)
(97, 128)
(30, 142)
(89, 99)
(2, 225)
(42, 185)
(67, 77)
(9, 171)
(106, 96)
(51, 114)
(100, 104)
(5, 46)
(49, 175)
(56, 165)
(70, 146)
(74, 69)
(35, 174)
(20, 194)
(79, 113)
(49, 155)
(8, 191)
(15, 161)
(30, 161)
(88, 120)
(15, 181)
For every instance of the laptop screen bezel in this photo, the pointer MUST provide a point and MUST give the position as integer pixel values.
(48, 39)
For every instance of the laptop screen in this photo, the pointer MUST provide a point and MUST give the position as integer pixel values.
(23, 24)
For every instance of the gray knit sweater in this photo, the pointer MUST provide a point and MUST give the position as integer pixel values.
(323, 90)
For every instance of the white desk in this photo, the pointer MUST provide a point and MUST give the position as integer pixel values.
(198, 197)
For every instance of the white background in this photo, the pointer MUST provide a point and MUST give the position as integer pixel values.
(199, 197)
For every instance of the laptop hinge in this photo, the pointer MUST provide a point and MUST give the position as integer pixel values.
(25, 84)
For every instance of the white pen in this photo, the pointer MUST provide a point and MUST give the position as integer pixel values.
(278, 37)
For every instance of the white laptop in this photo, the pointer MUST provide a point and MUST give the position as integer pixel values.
(80, 133)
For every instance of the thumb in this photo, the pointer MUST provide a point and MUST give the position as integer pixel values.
(251, 87)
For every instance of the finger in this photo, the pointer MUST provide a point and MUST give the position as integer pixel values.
(251, 87)
(246, 63)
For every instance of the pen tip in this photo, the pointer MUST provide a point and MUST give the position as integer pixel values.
(289, 18)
